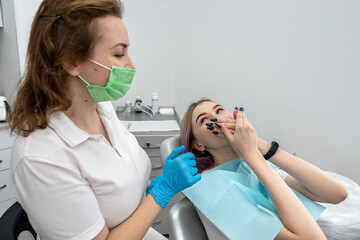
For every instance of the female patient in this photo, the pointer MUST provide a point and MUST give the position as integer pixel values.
(216, 136)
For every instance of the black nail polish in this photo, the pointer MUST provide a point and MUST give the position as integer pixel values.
(236, 108)
(209, 124)
(241, 109)
(210, 128)
(216, 133)
(218, 125)
(213, 119)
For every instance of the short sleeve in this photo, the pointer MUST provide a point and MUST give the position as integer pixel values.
(59, 202)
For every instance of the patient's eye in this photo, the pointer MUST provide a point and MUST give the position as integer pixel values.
(202, 120)
(219, 110)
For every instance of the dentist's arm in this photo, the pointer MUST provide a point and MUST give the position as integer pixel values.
(306, 178)
(298, 223)
(179, 173)
(136, 226)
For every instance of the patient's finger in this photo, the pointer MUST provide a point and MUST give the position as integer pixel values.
(216, 126)
(221, 133)
(230, 126)
(246, 120)
(239, 118)
(219, 130)
(227, 133)
(226, 120)
(235, 113)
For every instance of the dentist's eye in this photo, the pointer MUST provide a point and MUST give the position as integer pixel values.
(119, 55)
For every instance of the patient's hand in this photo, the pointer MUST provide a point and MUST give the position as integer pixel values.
(228, 121)
(262, 145)
(244, 138)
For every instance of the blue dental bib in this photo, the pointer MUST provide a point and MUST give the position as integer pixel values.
(233, 198)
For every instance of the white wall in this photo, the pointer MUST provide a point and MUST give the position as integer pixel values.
(1, 19)
(293, 65)
(24, 11)
(9, 56)
(17, 16)
(150, 25)
(151, 31)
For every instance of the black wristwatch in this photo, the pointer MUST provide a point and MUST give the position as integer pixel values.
(274, 147)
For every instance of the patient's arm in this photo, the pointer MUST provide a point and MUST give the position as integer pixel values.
(298, 222)
(306, 178)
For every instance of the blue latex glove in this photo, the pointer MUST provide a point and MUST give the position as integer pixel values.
(179, 173)
(153, 183)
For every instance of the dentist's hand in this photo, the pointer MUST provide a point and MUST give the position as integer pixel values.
(179, 173)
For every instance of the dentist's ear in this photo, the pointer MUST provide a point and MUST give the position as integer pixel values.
(71, 67)
(198, 146)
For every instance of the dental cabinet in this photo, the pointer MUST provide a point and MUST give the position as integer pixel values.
(150, 141)
(6, 142)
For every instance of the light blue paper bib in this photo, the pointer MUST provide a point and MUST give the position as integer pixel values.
(233, 198)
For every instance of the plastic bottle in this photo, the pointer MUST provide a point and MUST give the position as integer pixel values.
(138, 106)
(155, 103)
(128, 106)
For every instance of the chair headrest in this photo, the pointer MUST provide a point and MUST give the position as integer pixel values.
(167, 146)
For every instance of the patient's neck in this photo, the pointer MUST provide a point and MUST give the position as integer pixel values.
(223, 155)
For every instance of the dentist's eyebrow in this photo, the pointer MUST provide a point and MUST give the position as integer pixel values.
(217, 105)
(200, 116)
(121, 44)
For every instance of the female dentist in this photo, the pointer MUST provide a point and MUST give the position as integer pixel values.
(75, 169)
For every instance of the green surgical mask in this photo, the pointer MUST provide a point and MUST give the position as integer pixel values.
(119, 83)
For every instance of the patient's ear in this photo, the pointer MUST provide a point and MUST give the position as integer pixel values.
(198, 146)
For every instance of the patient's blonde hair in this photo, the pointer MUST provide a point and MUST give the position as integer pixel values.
(204, 160)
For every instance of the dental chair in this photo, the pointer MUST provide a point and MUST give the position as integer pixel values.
(184, 222)
(15, 225)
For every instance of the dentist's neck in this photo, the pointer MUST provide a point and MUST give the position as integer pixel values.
(83, 108)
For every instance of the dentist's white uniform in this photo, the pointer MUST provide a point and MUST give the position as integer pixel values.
(71, 183)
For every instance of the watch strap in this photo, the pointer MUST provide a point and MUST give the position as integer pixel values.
(274, 147)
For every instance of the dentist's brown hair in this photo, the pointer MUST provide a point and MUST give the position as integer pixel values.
(63, 31)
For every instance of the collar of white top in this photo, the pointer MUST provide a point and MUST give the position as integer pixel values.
(67, 130)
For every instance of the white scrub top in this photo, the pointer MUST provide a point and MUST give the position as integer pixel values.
(71, 183)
